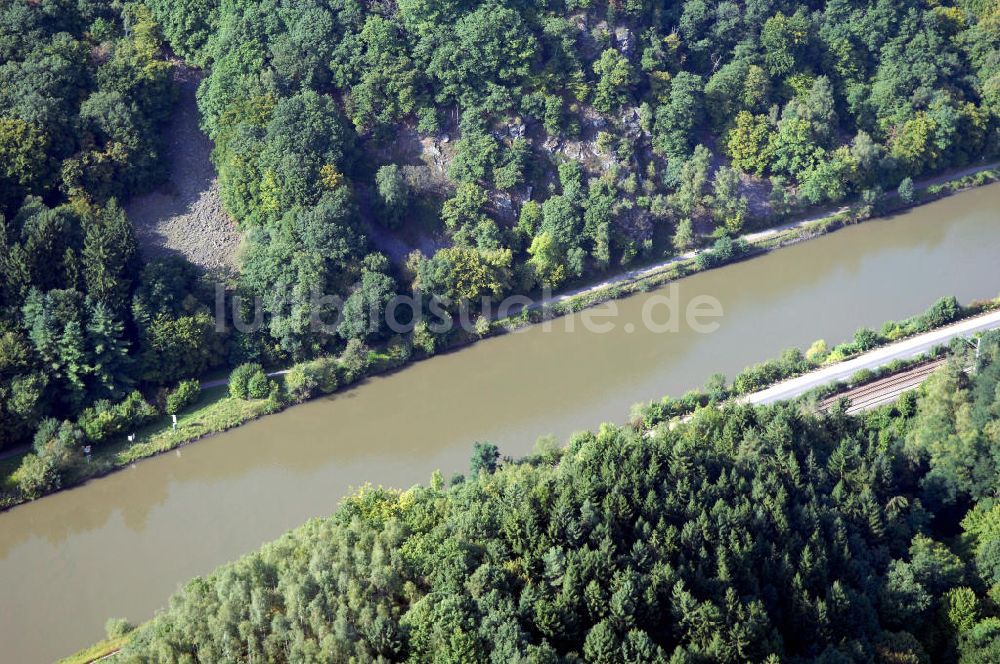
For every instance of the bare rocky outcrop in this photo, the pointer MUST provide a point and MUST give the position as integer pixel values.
(184, 216)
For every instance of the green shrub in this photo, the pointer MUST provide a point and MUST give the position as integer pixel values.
(691, 400)
(106, 419)
(757, 377)
(546, 449)
(817, 352)
(725, 250)
(942, 312)
(98, 421)
(258, 387)
(892, 331)
(187, 393)
(424, 339)
(907, 193)
(354, 362)
(116, 628)
(47, 431)
(862, 376)
(57, 441)
(651, 414)
(792, 362)
(239, 380)
(846, 349)
(485, 457)
(715, 387)
(36, 476)
(892, 367)
(482, 326)
(866, 339)
(135, 410)
(300, 383)
(309, 379)
(326, 369)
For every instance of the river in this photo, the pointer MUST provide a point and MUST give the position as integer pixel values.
(120, 545)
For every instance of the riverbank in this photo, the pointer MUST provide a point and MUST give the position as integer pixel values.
(901, 356)
(215, 412)
(216, 589)
(870, 361)
(821, 371)
(71, 560)
(794, 374)
(811, 225)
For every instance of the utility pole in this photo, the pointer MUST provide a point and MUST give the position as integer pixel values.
(974, 344)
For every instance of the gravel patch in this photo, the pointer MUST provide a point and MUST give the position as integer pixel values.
(185, 216)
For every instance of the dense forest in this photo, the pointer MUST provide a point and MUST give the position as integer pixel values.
(84, 321)
(455, 149)
(748, 534)
(548, 140)
(509, 146)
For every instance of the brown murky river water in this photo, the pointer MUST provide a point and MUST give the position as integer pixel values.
(121, 545)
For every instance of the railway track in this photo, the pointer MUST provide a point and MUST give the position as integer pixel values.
(885, 390)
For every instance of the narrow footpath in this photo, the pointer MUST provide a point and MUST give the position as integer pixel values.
(752, 238)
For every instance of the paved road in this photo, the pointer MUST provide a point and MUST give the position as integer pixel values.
(905, 349)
